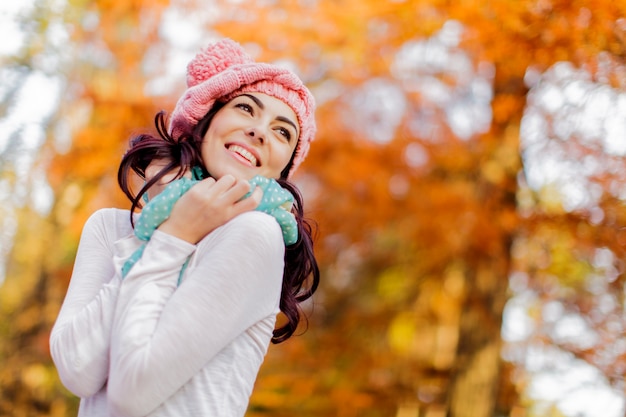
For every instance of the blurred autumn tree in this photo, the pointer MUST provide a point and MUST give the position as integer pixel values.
(102, 99)
(426, 197)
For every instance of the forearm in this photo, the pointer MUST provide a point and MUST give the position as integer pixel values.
(134, 387)
(163, 335)
(79, 344)
(79, 341)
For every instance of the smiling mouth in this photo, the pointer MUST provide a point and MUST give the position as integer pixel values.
(244, 153)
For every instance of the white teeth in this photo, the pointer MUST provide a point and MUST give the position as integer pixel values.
(243, 152)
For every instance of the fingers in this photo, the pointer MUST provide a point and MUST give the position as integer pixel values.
(208, 205)
(228, 190)
(231, 189)
(252, 201)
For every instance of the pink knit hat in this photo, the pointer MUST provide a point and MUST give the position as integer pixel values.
(223, 71)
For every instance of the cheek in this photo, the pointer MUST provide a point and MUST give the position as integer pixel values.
(285, 156)
(208, 154)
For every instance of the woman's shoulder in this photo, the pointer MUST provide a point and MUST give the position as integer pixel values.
(251, 226)
(256, 221)
(111, 220)
(109, 215)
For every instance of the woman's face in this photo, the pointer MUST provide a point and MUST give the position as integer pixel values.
(253, 134)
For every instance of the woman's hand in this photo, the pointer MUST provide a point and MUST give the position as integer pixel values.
(208, 205)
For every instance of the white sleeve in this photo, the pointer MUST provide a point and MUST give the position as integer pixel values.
(79, 341)
(163, 335)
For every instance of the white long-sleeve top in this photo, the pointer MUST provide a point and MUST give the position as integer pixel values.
(143, 346)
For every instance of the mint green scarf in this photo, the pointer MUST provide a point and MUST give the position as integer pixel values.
(276, 202)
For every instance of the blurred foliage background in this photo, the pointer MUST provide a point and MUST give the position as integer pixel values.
(467, 181)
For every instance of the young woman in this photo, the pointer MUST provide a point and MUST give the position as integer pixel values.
(183, 329)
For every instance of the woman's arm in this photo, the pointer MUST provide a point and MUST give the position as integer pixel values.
(79, 342)
(162, 336)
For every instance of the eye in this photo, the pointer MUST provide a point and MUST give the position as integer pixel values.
(245, 107)
(284, 132)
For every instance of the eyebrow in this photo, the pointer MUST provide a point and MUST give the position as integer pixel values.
(260, 104)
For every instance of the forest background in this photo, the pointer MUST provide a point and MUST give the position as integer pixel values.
(468, 182)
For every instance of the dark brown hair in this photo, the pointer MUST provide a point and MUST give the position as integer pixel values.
(301, 273)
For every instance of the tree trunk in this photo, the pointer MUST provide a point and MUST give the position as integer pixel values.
(474, 386)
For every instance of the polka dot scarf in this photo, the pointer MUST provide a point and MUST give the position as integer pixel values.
(276, 202)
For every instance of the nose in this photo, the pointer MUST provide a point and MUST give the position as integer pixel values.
(256, 135)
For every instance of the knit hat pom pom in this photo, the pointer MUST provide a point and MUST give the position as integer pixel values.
(215, 59)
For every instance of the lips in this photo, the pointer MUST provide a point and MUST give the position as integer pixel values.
(244, 154)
